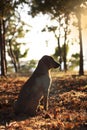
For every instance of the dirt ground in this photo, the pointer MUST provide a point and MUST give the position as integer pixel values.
(67, 105)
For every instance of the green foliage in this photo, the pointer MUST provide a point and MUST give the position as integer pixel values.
(74, 60)
(76, 56)
(17, 52)
(28, 67)
(57, 51)
(14, 32)
(32, 64)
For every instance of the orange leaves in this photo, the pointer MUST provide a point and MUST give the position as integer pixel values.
(69, 125)
(67, 105)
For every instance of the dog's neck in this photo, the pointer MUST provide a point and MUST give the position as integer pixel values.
(41, 70)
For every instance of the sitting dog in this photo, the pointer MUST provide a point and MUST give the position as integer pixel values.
(36, 87)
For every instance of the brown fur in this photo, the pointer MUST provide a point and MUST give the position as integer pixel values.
(37, 85)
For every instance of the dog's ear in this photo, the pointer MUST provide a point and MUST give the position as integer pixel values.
(53, 63)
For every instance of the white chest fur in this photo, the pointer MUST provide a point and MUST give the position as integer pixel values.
(44, 81)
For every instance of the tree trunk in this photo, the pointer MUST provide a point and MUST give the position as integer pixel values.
(12, 57)
(2, 46)
(81, 70)
(59, 48)
(64, 58)
(65, 50)
(4, 42)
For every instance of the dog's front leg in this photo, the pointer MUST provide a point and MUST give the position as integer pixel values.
(45, 100)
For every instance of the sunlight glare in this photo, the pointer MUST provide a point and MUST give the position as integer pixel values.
(42, 43)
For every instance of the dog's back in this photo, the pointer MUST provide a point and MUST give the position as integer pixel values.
(35, 87)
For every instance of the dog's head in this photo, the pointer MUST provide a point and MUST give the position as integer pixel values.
(49, 62)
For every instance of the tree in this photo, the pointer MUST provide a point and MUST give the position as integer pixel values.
(7, 9)
(74, 61)
(60, 31)
(2, 46)
(81, 70)
(78, 16)
(55, 9)
(15, 54)
(56, 55)
(65, 42)
(15, 31)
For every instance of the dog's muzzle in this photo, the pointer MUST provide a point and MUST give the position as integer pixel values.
(56, 65)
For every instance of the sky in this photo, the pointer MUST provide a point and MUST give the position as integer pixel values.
(44, 43)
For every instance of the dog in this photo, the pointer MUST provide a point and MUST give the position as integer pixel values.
(36, 87)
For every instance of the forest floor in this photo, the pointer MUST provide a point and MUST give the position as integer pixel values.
(67, 105)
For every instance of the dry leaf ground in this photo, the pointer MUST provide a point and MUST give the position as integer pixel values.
(67, 105)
